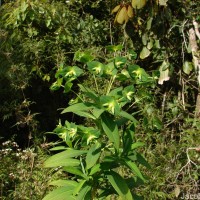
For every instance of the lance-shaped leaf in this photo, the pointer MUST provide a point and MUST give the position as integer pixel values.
(61, 193)
(110, 128)
(120, 185)
(64, 158)
(76, 171)
(67, 183)
(93, 155)
(81, 109)
(134, 168)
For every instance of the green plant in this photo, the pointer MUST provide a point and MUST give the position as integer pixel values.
(21, 173)
(101, 158)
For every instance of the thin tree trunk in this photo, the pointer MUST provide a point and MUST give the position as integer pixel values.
(196, 61)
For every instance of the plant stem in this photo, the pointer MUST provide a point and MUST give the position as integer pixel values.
(110, 84)
(95, 80)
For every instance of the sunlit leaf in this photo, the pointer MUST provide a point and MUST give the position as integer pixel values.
(187, 67)
(110, 104)
(120, 185)
(122, 15)
(78, 107)
(150, 44)
(110, 69)
(144, 53)
(164, 72)
(67, 183)
(162, 2)
(137, 145)
(75, 171)
(64, 158)
(93, 155)
(145, 39)
(110, 128)
(134, 168)
(95, 67)
(130, 11)
(138, 4)
(84, 193)
(116, 8)
(114, 48)
(62, 193)
(120, 61)
(58, 148)
(83, 57)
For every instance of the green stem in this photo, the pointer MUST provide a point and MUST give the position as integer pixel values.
(95, 80)
(110, 84)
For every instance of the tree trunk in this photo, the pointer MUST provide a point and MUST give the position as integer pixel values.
(196, 61)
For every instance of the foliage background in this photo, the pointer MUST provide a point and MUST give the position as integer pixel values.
(37, 37)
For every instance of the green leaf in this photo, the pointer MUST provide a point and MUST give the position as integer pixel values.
(56, 85)
(137, 145)
(95, 67)
(79, 186)
(93, 155)
(78, 107)
(116, 93)
(69, 72)
(187, 67)
(67, 183)
(56, 162)
(95, 169)
(128, 92)
(144, 53)
(142, 161)
(120, 61)
(110, 69)
(85, 114)
(75, 171)
(110, 128)
(149, 23)
(68, 86)
(114, 48)
(110, 104)
(88, 92)
(120, 185)
(84, 193)
(150, 44)
(139, 73)
(83, 57)
(157, 123)
(58, 148)
(62, 193)
(97, 112)
(132, 54)
(64, 158)
(128, 116)
(145, 39)
(134, 168)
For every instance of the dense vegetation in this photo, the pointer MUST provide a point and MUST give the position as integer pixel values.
(99, 99)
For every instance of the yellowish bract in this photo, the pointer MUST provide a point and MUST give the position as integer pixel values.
(138, 4)
(124, 13)
(116, 8)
